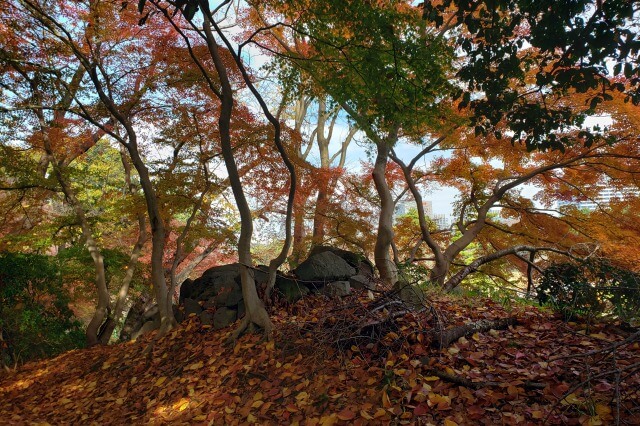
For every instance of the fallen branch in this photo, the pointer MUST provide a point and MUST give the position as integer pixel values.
(446, 337)
(610, 348)
(461, 381)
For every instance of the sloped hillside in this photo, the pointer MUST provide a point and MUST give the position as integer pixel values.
(345, 362)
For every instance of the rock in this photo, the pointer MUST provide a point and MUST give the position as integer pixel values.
(206, 318)
(290, 289)
(146, 328)
(260, 274)
(191, 307)
(142, 311)
(224, 317)
(178, 314)
(359, 261)
(228, 295)
(411, 295)
(361, 281)
(241, 309)
(211, 282)
(186, 288)
(337, 289)
(324, 267)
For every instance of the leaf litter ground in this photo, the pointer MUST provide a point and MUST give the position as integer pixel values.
(319, 371)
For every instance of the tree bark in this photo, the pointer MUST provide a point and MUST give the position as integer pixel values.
(384, 263)
(255, 310)
(444, 338)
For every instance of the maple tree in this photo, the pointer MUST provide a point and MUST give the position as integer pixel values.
(169, 85)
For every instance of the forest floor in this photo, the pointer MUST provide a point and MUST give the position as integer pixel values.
(321, 369)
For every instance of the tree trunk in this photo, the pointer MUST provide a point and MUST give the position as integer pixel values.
(298, 235)
(384, 263)
(255, 310)
(98, 261)
(116, 315)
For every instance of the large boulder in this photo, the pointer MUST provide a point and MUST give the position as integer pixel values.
(412, 295)
(211, 283)
(324, 267)
(290, 289)
(337, 289)
(359, 261)
(224, 317)
(362, 282)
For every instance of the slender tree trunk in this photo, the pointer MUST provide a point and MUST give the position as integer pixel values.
(255, 310)
(384, 263)
(98, 261)
(320, 215)
(116, 315)
(298, 235)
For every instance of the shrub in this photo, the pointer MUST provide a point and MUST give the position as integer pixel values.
(591, 288)
(35, 320)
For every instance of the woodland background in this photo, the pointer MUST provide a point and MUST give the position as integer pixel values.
(144, 142)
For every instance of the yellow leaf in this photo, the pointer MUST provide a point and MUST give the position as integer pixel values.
(603, 410)
(302, 396)
(571, 399)
(365, 415)
(537, 414)
(600, 336)
(270, 345)
(200, 418)
(379, 413)
(453, 350)
(595, 421)
(251, 418)
(257, 396)
(328, 420)
(257, 404)
(195, 366)
(476, 337)
(449, 422)
(160, 381)
(120, 401)
(64, 401)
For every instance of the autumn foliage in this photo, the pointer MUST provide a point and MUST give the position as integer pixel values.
(529, 373)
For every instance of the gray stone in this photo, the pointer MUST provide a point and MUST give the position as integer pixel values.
(191, 307)
(324, 267)
(361, 281)
(229, 295)
(206, 318)
(241, 309)
(290, 289)
(178, 314)
(411, 295)
(359, 261)
(337, 289)
(260, 274)
(147, 327)
(224, 317)
(211, 282)
(186, 288)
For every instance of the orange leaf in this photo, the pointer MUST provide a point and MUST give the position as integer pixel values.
(346, 414)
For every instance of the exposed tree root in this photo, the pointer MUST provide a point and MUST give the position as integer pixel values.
(248, 324)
